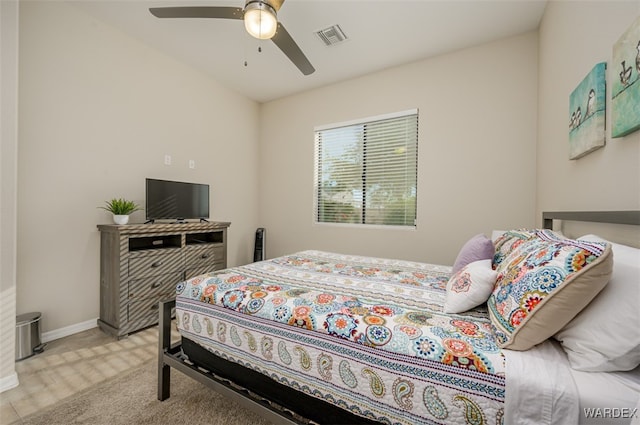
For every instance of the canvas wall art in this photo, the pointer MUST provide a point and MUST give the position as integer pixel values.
(587, 111)
(625, 87)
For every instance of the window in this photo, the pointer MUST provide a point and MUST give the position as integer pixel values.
(366, 172)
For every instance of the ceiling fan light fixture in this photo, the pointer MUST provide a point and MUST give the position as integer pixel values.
(260, 20)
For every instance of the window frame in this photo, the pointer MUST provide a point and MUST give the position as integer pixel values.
(316, 177)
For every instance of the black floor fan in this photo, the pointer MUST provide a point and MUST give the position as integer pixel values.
(259, 250)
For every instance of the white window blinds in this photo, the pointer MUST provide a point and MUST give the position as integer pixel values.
(366, 172)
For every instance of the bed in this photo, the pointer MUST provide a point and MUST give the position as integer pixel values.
(320, 337)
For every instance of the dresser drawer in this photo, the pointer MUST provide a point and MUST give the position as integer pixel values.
(156, 264)
(154, 286)
(202, 256)
(143, 313)
(203, 269)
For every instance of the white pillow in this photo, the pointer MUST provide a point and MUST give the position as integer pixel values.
(470, 286)
(605, 336)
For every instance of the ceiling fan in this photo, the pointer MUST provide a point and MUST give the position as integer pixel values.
(260, 20)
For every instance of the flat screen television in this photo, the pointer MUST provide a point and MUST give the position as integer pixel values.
(172, 200)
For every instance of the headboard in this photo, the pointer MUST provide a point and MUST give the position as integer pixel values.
(617, 226)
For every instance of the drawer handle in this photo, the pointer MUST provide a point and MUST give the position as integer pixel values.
(156, 264)
(204, 256)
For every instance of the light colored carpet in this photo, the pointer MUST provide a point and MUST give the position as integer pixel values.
(131, 398)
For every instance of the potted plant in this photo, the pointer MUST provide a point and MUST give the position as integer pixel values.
(120, 208)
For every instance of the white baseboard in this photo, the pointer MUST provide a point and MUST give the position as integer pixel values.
(8, 382)
(69, 330)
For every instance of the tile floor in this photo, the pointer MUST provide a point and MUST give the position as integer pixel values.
(71, 364)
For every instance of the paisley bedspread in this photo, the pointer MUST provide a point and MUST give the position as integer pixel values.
(366, 334)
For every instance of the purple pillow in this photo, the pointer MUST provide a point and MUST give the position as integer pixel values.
(477, 248)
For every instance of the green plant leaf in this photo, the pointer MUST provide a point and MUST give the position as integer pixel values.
(121, 206)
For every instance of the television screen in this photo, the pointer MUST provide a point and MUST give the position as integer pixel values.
(176, 200)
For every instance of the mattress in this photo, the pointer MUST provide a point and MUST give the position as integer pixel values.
(367, 335)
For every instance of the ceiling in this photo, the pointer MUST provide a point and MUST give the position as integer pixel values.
(381, 34)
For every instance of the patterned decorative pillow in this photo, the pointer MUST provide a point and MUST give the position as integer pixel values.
(470, 287)
(544, 280)
(477, 248)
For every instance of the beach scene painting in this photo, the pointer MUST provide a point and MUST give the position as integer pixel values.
(587, 112)
(625, 85)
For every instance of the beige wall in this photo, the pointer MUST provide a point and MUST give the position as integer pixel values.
(574, 36)
(477, 136)
(8, 189)
(97, 113)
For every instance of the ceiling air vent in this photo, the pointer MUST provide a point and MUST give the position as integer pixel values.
(332, 35)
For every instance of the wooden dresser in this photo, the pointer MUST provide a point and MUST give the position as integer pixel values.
(140, 264)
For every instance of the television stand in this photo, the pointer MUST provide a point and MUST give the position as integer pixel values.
(141, 264)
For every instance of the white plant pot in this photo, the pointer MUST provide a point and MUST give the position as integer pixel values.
(120, 219)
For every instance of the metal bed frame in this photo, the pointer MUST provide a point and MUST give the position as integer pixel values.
(613, 217)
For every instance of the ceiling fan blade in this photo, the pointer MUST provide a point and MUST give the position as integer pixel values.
(285, 42)
(197, 12)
